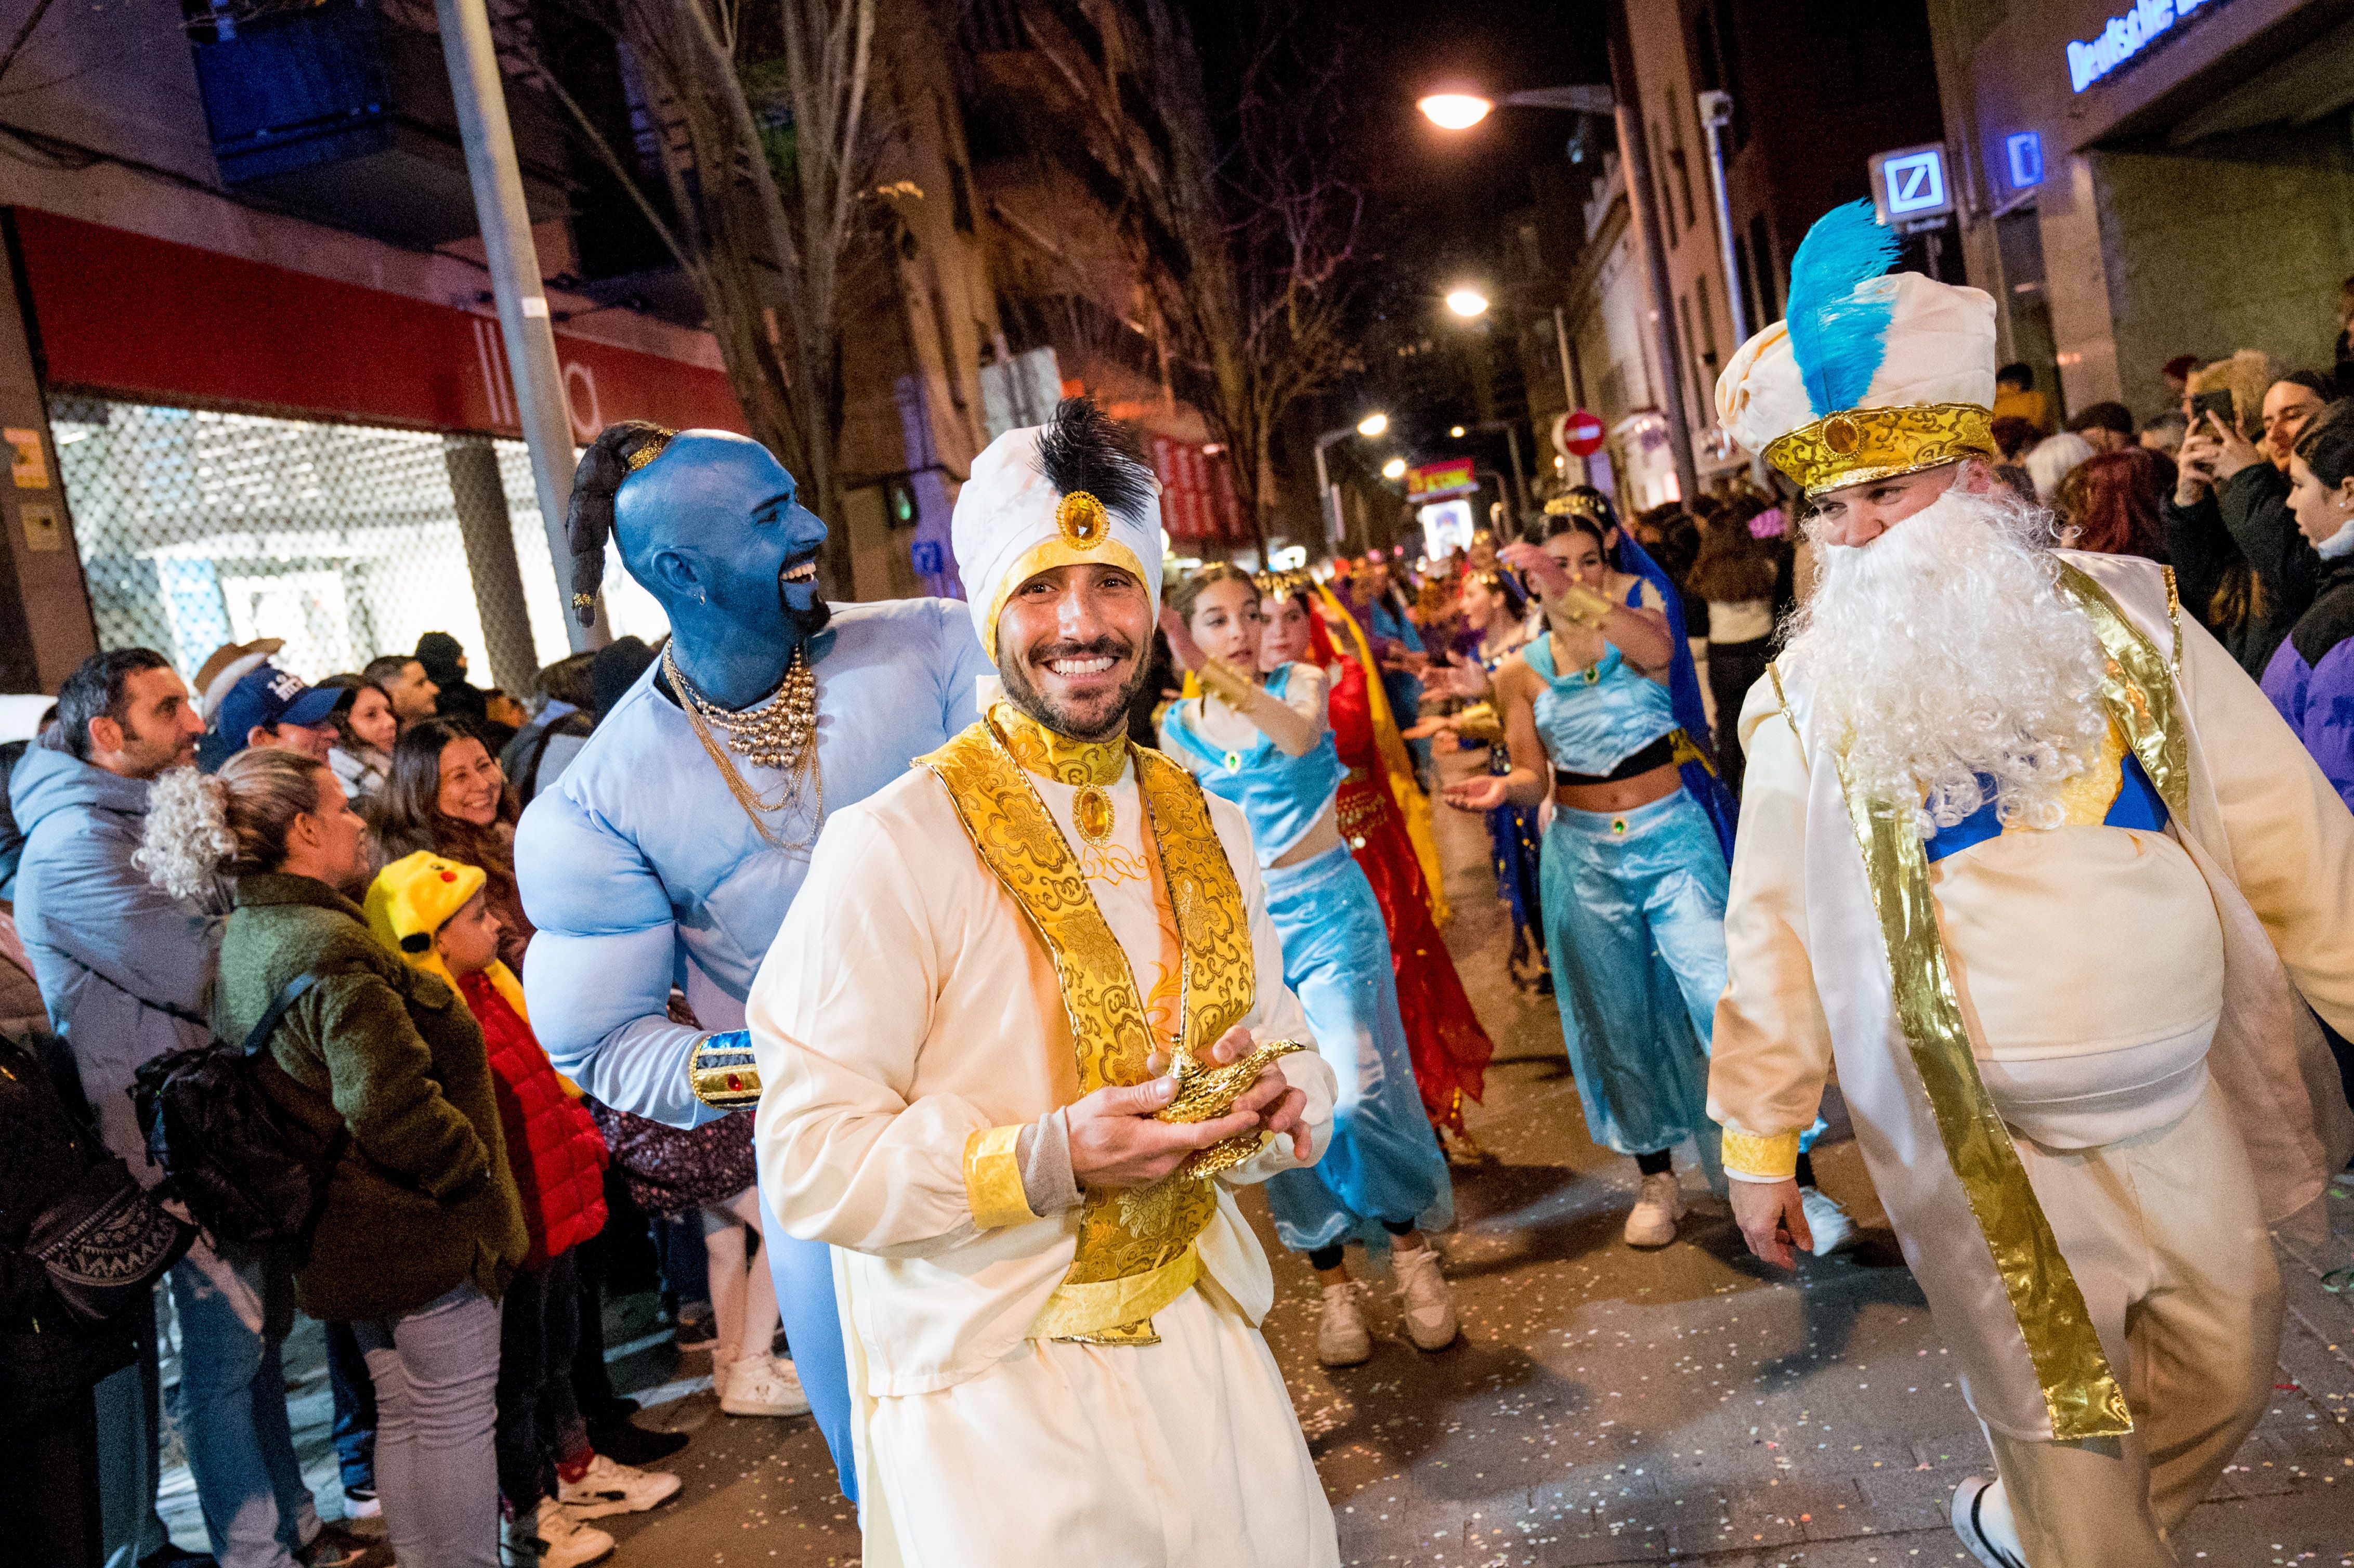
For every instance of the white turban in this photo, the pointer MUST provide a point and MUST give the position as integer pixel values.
(1014, 520)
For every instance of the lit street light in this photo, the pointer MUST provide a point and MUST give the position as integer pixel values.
(1467, 303)
(1394, 468)
(1455, 431)
(1372, 425)
(1455, 110)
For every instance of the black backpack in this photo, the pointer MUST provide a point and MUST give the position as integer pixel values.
(248, 1170)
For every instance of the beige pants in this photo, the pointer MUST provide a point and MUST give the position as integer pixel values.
(2164, 1236)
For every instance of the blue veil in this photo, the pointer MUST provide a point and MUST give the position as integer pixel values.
(1684, 687)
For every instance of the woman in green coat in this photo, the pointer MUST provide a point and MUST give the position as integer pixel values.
(422, 1227)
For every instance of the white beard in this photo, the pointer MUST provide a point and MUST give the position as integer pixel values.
(1942, 651)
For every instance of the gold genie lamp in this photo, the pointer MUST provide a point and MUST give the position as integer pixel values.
(1206, 1093)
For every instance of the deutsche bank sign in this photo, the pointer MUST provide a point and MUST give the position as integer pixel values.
(1909, 186)
(2143, 24)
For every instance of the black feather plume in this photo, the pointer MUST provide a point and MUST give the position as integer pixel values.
(1082, 449)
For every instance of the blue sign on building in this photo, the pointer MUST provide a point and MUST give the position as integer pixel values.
(2025, 151)
(1909, 186)
(926, 557)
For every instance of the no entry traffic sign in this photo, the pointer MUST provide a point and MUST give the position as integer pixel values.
(1577, 433)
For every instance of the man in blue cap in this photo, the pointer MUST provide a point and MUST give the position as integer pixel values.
(269, 707)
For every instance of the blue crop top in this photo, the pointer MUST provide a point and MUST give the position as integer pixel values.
(1281, 797)
(1593, 719)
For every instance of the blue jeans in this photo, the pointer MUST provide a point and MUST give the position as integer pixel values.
(435, 1373)
(130, 1441)
(354, 1406)
(231, 1408)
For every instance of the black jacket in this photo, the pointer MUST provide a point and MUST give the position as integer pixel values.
(2243, 522)
(47, 1361)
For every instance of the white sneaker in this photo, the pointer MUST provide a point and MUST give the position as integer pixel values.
(609, 1486)
(1657, 1206)
(1340, 1338)
(1979, 1518)
(550, 1538)
(758, 1385)
(1423, 1295)
(1832, 1227)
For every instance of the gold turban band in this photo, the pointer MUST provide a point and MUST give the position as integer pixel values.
(1859, 445)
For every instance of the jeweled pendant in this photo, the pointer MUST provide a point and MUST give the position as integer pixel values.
(1091, 814)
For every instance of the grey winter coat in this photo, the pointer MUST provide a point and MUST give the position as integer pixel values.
(124, 968)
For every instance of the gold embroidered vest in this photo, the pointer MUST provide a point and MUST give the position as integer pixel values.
(1136, 1246)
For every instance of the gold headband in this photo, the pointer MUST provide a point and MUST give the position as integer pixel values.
(1856, 446)
(1289, 584)
(651, 451)
(1576, 505)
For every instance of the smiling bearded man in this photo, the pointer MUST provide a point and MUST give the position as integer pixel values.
(2029, 858)
(1056, 1356)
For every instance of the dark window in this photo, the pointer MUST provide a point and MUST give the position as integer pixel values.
(1659, 180)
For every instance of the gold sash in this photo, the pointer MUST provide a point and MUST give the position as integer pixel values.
(2079, 1391)
(1136, 1246)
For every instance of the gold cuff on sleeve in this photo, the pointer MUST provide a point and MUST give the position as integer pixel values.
(993, 1177)
(723, 1078)
(1480, 722)
(1226, 682)
(1584, 606)
(1772, 1159)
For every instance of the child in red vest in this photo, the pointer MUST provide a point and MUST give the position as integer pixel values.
(432, 911)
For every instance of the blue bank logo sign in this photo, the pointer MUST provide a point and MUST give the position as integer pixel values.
(2144, 22)
(2025, 150)
(1909, 186)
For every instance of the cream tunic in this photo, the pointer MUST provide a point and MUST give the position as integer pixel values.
(906, 1005)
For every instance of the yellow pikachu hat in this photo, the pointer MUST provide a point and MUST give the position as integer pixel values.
(412, 898)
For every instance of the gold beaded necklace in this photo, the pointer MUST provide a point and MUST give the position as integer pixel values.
(779, 732)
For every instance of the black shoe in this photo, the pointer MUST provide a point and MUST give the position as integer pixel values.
(332, 1547)
(626, 1443)
(614, 1408)
(170, 1556)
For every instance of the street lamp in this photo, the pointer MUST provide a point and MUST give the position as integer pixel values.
(1467, 303)
(1455, 110)
(1394, 468)
(1455, 431)
(1327, 498)
(1622, 103)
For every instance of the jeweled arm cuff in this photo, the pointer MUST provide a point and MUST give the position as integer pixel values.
(1749, 1158)
(1580, 606)
(993, 1177)
(722, 1073)
(1226, 684)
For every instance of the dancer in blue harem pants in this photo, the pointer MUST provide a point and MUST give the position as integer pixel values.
(1266, 744)
(1383, 1163)
(1634, 917)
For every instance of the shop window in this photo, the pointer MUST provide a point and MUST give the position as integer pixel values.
(197, 528)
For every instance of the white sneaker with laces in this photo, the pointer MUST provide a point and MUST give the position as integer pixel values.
(550, 1538)
(1657, 1206)
(1340, 1339)
(609, 1486)
(1426, 1299)
(760, 1386)
(1832, 1227)
(1982, 1519)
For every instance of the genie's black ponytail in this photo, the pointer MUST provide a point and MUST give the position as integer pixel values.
(619, 452)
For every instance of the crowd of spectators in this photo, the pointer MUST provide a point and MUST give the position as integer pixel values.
(171, 861)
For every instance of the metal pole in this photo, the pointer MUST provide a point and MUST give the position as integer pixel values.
(1520, 480)
(1715, 113)
(1327, 502)
(1635, 150)
(475, 84)
(1569, 365)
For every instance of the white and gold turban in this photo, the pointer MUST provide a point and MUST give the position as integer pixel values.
(1869, 375)
(1071, 491)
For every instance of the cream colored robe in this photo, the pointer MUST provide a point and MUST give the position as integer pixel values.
(906, 1005)
(1809, 976)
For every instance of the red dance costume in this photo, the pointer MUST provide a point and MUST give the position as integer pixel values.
(1450, 1048)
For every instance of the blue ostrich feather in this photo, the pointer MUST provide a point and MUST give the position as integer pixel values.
(1837, 339)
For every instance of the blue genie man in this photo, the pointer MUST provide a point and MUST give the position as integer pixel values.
(668, 853)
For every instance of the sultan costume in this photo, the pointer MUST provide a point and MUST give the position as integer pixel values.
(1043, 1373)
(2029, 858)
